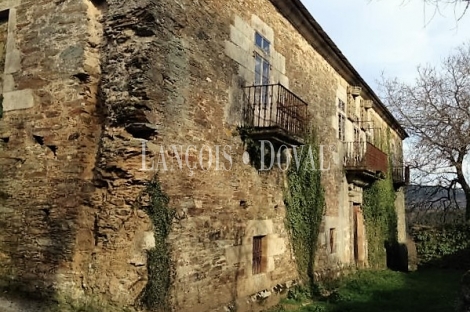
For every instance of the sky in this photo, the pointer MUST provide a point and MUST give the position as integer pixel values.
(390, 36)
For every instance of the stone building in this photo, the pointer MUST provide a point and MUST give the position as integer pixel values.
(86, 82)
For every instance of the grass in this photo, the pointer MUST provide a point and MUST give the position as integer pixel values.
(387, 291)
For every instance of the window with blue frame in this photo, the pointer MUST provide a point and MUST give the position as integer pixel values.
(262, 67)
(262, 43)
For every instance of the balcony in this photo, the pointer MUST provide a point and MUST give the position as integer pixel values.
(274, 113)
(364, 163)
(400, 175)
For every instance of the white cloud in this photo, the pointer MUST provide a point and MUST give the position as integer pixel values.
(390, 36)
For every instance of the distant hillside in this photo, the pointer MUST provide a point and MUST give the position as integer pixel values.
(433, 205)
(417, 194)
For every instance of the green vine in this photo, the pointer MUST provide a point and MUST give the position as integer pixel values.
(305, 204)
(381, 220)
(380, 216)
(156, 294)
(253, 147)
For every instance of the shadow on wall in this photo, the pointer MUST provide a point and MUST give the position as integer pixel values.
(43, 195)
(402, 257)
(38, 239)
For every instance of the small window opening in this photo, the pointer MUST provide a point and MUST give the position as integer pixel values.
(332, 240)
(258, 254)
(341, 120)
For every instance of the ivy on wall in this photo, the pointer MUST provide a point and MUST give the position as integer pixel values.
(157, 292)
(380, 220)
(305, 204)
(253, 147)
(380, 215)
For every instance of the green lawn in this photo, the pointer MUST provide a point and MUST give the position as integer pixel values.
(387, 291)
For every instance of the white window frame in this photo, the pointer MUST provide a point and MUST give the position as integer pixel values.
(341, 107)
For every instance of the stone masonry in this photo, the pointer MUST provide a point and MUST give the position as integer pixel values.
(87, 85)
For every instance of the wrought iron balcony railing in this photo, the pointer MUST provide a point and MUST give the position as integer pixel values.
(364, 158)
(400, 174)
(275, 112)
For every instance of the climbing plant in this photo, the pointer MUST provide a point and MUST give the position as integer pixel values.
(380, 215)
(381, 220)
(253, 147)
(305, 202)
(156, 294)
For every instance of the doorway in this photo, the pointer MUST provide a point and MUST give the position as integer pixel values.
(359, 236)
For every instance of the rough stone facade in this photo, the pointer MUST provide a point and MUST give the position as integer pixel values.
(86, 82)
(50, 132)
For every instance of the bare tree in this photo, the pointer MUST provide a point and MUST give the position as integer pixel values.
(433, 205)
(435, 110)
(460, 6)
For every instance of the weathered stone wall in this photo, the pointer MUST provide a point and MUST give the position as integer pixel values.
(175, 75)
(91, 81)
(49, 134)
(172, 71)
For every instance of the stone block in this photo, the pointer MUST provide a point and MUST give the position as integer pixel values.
(20, 99)
(6, 210)
(12, 55)
(244, 27)
(8, 83)
(239, 38)
(239, 55)
(279, 62)
(276, 245)
(148, 240)
(12, 61)
(270, 265)
(262, 28)
(8, 4)
(258, 228)
(284, 80)
(238, 254)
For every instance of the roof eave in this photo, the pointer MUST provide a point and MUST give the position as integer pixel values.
(298, 15)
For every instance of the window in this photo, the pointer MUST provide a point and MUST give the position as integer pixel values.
(258, 254)
(341, 120)
(341, 127)
(262, 65)
(262, 68)
(262, 43)
(332, 240)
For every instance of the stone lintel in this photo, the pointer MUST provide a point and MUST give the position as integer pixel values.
(20, 99)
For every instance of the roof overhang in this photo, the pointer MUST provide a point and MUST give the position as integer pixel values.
(296, 13)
